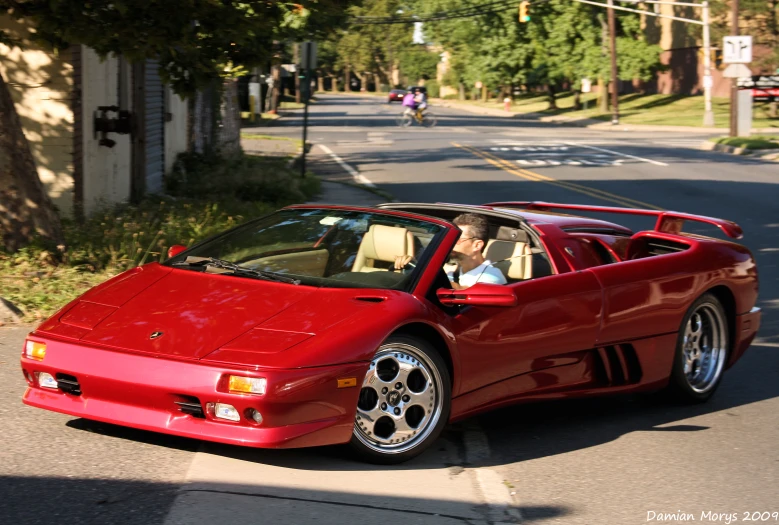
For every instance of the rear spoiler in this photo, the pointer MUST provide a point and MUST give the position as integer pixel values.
(667, 221)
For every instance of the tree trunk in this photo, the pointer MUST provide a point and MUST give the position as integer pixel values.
(462, 91)
(333, 83)
(603, 96)
(550, 91)
(320, 83)
(577, 102)
(347, 86)
(25, 206)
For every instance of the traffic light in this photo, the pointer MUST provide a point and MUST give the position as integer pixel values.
(524, 11)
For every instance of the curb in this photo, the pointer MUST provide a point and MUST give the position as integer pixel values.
(769, 155)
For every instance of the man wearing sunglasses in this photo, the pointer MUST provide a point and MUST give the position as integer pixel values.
(471, 266)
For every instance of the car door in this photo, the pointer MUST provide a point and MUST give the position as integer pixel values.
(555, 318)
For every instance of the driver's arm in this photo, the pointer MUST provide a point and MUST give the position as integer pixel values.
(401, 261)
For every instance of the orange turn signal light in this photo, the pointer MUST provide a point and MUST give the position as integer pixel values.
(35, 350)
(347, 382)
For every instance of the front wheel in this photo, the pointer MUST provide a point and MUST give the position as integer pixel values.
(430, 120)
(701, 351)
(404, 120)
(404, 402)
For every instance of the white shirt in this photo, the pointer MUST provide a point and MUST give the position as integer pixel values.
(484, 273)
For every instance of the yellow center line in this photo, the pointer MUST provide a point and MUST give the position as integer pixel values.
(530, 175)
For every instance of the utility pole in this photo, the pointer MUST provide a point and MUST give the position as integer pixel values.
(614, 78)
(733, 81)
(708, 113)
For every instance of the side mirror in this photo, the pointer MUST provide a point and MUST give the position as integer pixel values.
(480, 294)
(175, 250)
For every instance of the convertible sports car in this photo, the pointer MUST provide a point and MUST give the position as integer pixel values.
(295, 329)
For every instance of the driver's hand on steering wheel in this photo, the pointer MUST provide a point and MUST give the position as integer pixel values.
(402, 260)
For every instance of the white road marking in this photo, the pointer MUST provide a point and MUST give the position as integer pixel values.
(359, 179)
(655, 162)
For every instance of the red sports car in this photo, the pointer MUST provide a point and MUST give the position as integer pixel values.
(295, 329)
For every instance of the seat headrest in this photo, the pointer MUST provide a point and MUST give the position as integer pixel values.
(383, 243)
(500, 250)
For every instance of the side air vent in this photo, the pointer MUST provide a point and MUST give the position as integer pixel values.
(192, 406)
(68, 384)
(617, 365)
(371, 299)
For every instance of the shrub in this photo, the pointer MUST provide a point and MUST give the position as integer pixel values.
(209, 194)
(433, 88)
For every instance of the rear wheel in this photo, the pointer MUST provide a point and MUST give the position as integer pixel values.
(430, 120)
(702, 349)
(404, 402)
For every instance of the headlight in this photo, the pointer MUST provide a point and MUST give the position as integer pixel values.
(34, 350)
(247, 385)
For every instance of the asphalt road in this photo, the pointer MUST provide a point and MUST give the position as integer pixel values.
(610, 461)
(615, 460)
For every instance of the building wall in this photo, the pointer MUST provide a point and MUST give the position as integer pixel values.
(41, 85)
(175, 128)
(106, 170)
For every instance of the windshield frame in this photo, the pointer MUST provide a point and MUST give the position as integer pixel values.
(408, 285)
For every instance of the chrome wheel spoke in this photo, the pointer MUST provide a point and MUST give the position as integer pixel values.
(704, 347)
(408, 402)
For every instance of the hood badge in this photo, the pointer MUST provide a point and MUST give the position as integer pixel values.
(155, 335)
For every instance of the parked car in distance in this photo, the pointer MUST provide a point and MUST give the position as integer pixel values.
(396, 94)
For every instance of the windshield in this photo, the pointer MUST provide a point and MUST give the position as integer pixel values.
(324, 247)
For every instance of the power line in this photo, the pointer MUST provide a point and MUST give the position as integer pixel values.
(465, 12)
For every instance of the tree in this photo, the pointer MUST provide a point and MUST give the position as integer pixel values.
(195, 42)
(416, 62)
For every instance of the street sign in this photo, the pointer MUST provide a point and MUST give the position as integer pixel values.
(737, 49)
(736, 71)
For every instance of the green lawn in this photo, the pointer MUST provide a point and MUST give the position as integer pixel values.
(673, 110)
(755, 142)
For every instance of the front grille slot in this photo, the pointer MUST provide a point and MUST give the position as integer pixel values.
(68, 384)
(191, 406)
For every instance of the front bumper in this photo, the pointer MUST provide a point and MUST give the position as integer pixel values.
(746, 328)
(302, 407)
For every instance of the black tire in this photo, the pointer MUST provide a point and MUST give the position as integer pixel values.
(414, 358)
(712, 317)
(430, 120)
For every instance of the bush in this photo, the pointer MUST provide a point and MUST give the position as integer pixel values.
(244, 177)
(210, 195)
(433, 88)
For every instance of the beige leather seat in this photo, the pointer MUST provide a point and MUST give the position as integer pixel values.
(514, 259)
(381, 244)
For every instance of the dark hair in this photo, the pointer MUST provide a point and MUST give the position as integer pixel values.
(478, 223)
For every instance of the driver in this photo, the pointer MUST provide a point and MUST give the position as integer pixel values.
(471, 266)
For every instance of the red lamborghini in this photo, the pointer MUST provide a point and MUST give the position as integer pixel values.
(295, 329)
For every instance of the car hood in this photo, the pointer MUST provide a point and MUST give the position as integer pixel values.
(185, 314)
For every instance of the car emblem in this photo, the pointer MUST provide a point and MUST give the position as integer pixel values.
(155, 335)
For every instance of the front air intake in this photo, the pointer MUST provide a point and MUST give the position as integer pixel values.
(68, 384)
(192, 406)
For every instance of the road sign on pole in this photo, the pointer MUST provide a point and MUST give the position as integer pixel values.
(736, 71)
(737, 49)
